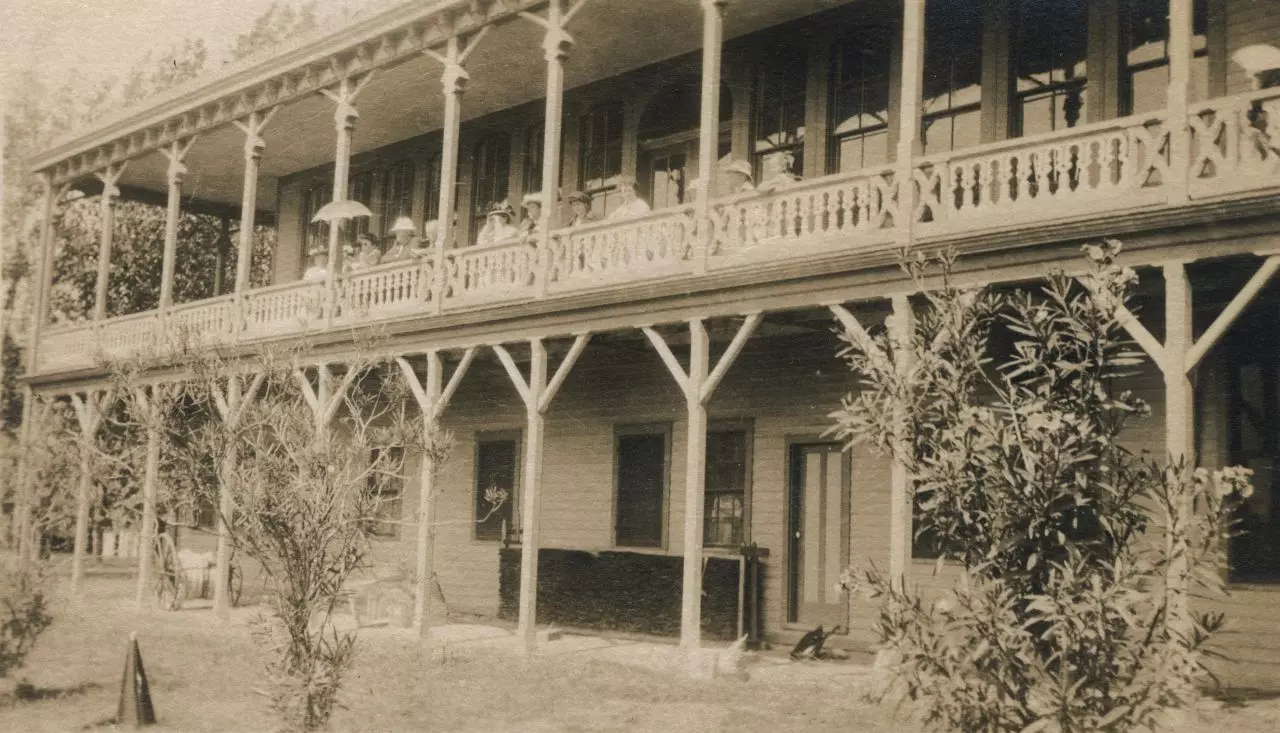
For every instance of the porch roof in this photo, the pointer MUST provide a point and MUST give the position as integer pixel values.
(403, 100)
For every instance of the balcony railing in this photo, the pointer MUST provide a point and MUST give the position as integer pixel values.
(1231, 148)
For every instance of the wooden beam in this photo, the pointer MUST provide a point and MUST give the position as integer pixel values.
(447, 394)
(562, 372)
(1140, 334)
(513, 371)
(730, 355)
(88, 411)
(901, 328)
(338, 395)
(911, 85)
(530, 517)
(708, 123)
(1233, 311)
(694, 490)
(668, 358)
(1179, 426)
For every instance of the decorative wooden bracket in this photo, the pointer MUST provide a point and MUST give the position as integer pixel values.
(110, 176)
(232, 403)
(547, 393)
(323, 399)
(433, 399)
(89, 410)
(704, 391)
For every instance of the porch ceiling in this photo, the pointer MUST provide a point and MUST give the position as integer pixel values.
(507, 69)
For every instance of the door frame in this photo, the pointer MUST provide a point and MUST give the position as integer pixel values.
(793, 441)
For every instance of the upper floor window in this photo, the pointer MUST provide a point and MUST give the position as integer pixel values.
(360, 189)
(1145, 40)
(1049, 49)
(778, 115)
(492, 176)
(952, 99)
(533, 142)
(397, 194)
(600, 159)
(860, 101)
(316, 233)
(432, 194)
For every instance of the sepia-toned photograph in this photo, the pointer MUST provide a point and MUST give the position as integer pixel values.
(640, 366)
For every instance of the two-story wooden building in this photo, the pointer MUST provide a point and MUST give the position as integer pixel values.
(653, 388)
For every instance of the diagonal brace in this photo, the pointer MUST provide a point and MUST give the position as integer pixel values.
(730, 355)
(562, 371)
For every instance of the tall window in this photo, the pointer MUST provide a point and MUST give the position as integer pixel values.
(728, 475)
(497, 462)
(491, 179)
(1253, 356)
(533, 140)
(397, 193)
(386, 487)
(952, 101)
(1146, 55)
(360, 188)
(432, 193)
(317, 233)
(778, 119)
(600, 157)
(860, 101)
(643, 463)
(1050, 49)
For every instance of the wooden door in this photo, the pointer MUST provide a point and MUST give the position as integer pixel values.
(665, 173)
(818, 520)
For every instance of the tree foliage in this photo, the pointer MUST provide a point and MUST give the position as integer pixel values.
(1076, 555)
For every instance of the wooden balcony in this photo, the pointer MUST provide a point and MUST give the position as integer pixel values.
(1102, 171)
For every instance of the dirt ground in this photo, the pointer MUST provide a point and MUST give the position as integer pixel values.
(202, 675)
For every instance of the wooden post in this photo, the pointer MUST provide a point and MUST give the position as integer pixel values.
(454, 82)
(699, 385)
(537, 394)
(344, 121)
(909, 116)
(432, 397)
(20, 489)
(151, 475)
(89, 415)
(1180, 52)
(901, 328)
(1179, 423)
(230, 406)
(177, 172)
(253, 149)
(220, 255)
(556, 47)
(109, 178)
(43, 269)
(709, 125)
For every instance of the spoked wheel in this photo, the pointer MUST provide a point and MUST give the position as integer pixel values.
(235, 583)
(168, 584)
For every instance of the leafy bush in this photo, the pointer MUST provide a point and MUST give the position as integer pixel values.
(1077, 557)
(24, 611)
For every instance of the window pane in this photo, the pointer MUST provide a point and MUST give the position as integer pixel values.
(726, 487)
(397, 194)
(433, 190)
(492, 176)
(601, 144)
(496, 462)
(778, 118)
(533, 142)
(1146, 54)
(317, 233)
(360, 188)
(1050, 49)
(386, 486)
(860, 100)
(952, 76)
(641, 484)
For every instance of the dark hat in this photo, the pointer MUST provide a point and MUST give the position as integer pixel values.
(582, 196)
(501, 207)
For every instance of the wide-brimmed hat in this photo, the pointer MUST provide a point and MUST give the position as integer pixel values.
(739, 166)
(403, 224)
(628, 181)
(319, 248)
(582, 196)
(531, 198)
(501, 207)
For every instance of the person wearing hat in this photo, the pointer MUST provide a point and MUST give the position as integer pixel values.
(778, 172)
(631, 205)
(737, 175)
(367, 254)
(318, 269)
(531, 224)
(580, 206)
(405, 240)
(497, 227)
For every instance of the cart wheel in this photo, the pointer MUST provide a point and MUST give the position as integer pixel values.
(168, 586)
(235, 583)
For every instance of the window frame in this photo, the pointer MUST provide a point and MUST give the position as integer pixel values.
(1127, 70)
(501, 179)
(532, 157)
(370, 485)
(1018, 98)
(747, 427)
(796, 147)
(835, 66)
(588, 154)
(625, 430)
(367, 179)
(514, 527)
(406, 197)
(317, 232)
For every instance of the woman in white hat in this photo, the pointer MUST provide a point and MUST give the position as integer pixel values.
(631, 205)
(497, 227)
(531, 224)
(405, 243)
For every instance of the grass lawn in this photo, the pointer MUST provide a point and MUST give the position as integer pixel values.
(202, 674)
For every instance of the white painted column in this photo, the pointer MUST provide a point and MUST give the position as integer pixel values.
(428, 404)
(44, 268)
(226, 505)
(454, 82)
(555, 48)
(531, 498)
(1179, 418)
(912, 85)
(109, 192)
(253, 149)
(709, 126)
(22, 489)
(901, 327)
(695, 473)
(1180, 55)
(88, 413)
(149, 479)
(344, 122)
(177, 173)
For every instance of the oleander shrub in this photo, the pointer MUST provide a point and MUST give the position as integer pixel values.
(1077, 558)
(24, 611)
